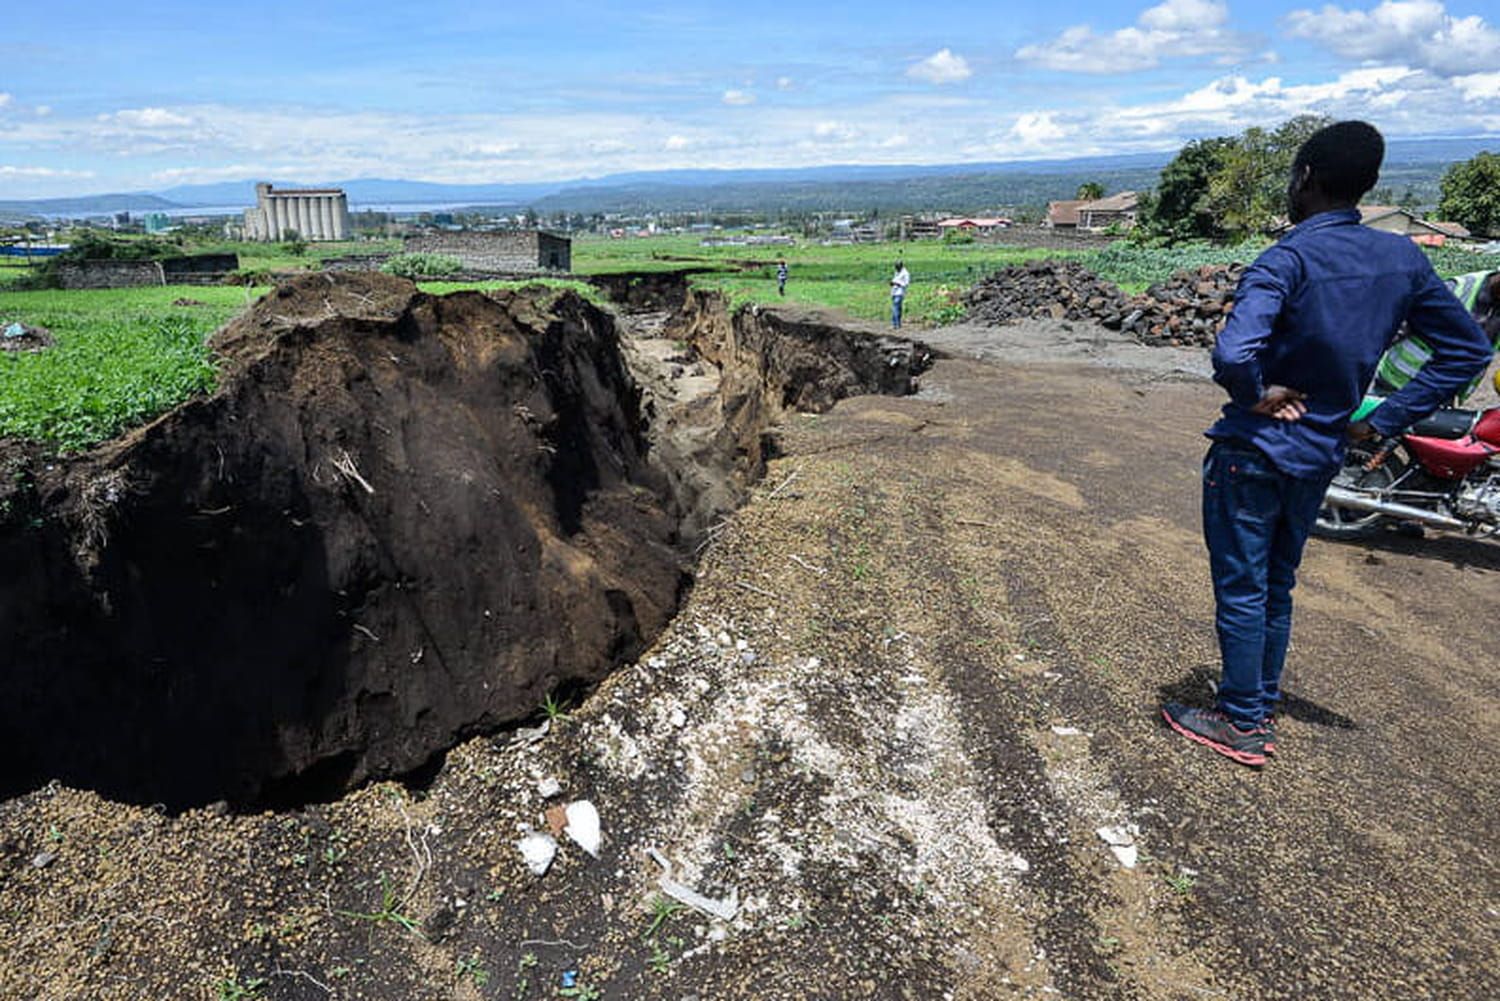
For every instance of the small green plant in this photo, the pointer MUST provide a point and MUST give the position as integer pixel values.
(232, 988)
(1181, 883)
(556, 710)
(524, 966)
(389, 912)
(662, 909)
(659, 962)
(472, 968)
(582, 991)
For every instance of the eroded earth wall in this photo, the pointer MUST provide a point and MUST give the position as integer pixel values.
(401, 519)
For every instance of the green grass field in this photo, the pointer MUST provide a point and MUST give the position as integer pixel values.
(120, 357)
(123, 356)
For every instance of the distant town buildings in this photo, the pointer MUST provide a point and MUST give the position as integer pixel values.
(312, 214)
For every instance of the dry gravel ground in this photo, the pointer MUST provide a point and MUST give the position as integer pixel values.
(853, 725)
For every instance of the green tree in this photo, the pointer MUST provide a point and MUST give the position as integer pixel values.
(1090, 191)
(1247, 193)
(1470, 194)
(1179, 209)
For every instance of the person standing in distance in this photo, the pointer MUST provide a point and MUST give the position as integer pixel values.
(781, 277)
(899, 281)
(1312, 317)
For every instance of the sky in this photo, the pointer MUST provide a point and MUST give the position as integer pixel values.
(105, 96)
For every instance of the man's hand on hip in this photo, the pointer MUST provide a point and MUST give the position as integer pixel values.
(1281, 403)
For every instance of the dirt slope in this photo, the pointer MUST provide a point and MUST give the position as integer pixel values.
(915, 676)
(333, 567)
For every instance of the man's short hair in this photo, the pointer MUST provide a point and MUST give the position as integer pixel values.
(1345, 159)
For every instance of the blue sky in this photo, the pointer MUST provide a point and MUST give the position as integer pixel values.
(109, 97)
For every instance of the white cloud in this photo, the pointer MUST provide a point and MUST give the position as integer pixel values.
(675, 142)
(783, 83)
(1416, 32)
(943, 66)
(1172, 29)
(43, 110)
(1479, 86)
(739, 98)
(4, 98)
(147, 118)
(7, 170)
(1036, 131)
(837, 131)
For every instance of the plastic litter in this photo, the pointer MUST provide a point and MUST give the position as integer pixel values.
(724, 910)
(569, 979)
(1121, 841)
(15, 330)
(538, 850)
(583, 826)
(548, 787)
(1067, 731)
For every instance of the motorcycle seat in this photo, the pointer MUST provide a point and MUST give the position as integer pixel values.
(1450, 423)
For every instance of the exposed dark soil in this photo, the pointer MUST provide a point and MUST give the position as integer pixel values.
(916, 674)
(401, 520)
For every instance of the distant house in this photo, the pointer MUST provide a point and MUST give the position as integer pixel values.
(919, 228)
(974, 224)
(1394, 219)
(1063, 215)
(1115, 210)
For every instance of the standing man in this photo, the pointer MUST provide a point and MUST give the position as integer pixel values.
(781, 277)
(899, 281)
(1311, 318)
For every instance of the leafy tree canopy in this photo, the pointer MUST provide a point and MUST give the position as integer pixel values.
(1471, 194)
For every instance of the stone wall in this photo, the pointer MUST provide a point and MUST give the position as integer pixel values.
(194, 269)
(498, 253)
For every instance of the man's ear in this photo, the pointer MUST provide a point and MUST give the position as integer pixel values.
(1302, 178)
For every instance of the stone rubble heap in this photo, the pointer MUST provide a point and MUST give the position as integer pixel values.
(1188, 309)
(1048, 289)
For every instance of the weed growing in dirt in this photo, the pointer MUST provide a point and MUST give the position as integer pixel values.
(389, 912)
(524, 966)
(581, 991)
(232, 988)
(556, 709)
(662, 909)
(1181, 884)
(472, 968)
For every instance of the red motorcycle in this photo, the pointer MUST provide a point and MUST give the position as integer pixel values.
(1443, 472)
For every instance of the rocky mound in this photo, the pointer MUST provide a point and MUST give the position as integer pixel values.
(1190, 308)
(1060, 290)
(400, 519)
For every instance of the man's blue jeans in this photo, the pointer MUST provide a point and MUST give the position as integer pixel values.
(896, 310)
(1256, 520)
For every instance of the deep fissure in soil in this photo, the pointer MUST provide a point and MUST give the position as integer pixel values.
(401, 520)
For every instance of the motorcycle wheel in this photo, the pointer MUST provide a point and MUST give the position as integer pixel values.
(1345, 523)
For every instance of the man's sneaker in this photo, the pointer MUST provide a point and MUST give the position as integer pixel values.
(1215, 730)
(1268, 728)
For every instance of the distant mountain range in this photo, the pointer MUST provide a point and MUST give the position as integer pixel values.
(851, 187)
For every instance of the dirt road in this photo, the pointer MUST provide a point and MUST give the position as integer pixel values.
(918, 673)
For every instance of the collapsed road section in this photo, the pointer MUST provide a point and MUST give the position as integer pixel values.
(401, 520)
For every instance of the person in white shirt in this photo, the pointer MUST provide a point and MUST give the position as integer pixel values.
(899, 281)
